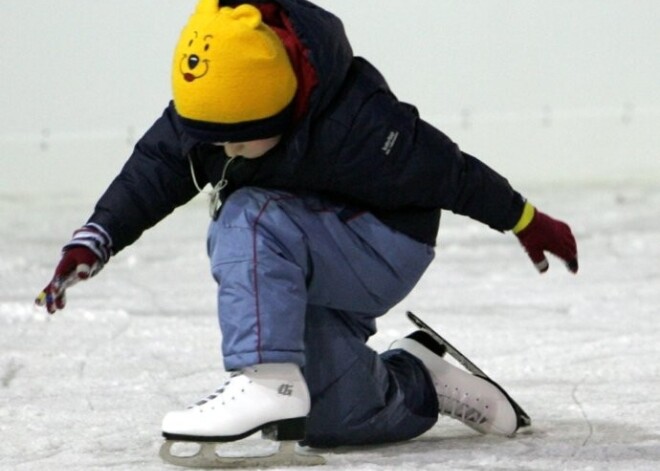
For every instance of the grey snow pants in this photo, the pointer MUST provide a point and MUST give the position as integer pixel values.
(302, 280)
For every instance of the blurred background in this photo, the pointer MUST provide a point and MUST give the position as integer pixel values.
(548, 92)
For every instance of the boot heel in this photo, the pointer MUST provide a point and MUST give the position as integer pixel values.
(284, 430)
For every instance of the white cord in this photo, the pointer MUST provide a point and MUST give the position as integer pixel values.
(214, 202)
(192, 172)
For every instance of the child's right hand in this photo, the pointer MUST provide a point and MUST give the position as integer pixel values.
(77, 264)
(83, 257)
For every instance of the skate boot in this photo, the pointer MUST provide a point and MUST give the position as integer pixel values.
(272, 398)
(471, 399)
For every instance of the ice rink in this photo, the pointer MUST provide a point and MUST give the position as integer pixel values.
(86, 389)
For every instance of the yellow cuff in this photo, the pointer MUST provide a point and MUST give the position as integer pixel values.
(525, 218)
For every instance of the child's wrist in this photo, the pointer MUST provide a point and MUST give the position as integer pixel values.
(525, 218)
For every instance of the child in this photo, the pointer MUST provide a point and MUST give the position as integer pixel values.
(331, 193)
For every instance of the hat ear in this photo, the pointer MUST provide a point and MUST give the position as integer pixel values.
(249, 15)
(207, 6)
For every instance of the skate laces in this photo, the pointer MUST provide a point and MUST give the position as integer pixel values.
(454, 405)
(218, 391)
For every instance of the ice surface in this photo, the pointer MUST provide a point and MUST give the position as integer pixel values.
(86, 389)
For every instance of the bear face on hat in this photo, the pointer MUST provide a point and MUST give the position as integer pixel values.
(229, 70)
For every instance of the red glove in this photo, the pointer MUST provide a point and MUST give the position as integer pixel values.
(83, 257)
(541, 233)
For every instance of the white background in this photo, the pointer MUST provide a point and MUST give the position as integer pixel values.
(544, 91)
(561, 96)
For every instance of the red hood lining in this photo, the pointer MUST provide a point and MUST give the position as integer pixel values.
(275, 17)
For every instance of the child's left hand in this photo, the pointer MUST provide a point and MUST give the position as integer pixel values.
(543, 234)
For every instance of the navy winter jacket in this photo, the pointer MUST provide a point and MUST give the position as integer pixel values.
(356, 143)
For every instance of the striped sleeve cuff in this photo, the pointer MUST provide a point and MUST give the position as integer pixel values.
(95, 238)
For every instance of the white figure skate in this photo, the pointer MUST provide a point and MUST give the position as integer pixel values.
(271, 398)
(473, 399)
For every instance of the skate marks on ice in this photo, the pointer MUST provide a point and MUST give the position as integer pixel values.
(558, 447)
(87, 389)
(8, 372)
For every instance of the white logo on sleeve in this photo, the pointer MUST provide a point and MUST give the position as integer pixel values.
(390, 141)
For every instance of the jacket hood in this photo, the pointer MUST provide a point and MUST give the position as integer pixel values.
(324, 37)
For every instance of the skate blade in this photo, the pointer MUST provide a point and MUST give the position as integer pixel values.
(207, 458)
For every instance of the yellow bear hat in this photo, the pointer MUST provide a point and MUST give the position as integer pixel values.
(232, 79)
